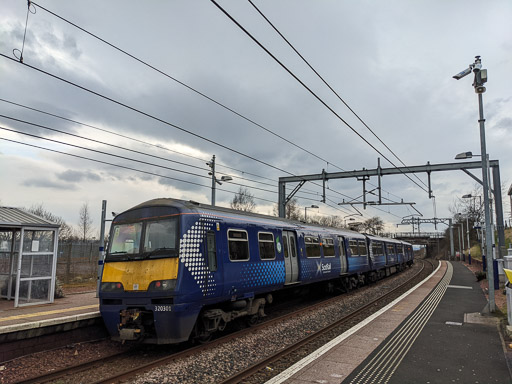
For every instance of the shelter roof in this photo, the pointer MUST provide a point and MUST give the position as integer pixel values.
(17, 218)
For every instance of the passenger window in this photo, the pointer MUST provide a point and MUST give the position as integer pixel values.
(363, 249)
(292, 245)
(266, 245)
(285, 246)
(354, 249)
(238, 244)
(312, 246)
(212, 251)
(377, 249)
(328, 245)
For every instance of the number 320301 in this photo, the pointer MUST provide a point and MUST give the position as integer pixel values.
(162, 308)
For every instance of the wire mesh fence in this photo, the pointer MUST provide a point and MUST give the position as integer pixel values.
(77, 262)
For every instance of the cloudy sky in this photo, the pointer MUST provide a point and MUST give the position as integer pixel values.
(392, 62)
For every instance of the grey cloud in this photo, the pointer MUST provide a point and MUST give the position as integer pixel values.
(45, 183)
(505, 123)
(77, 176)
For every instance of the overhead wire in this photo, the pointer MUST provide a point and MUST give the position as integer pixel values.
(124, 167)
(202, 94)
(180, 82)
(127, 149)
(329, 86)
(149, 115)
(136, 110)
(119, 147)
(158, 146)
(146, 114)
(100, 142)
(127, 158)
(131, 150)
(309, 89)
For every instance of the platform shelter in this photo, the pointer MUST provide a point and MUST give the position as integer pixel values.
(28, 257)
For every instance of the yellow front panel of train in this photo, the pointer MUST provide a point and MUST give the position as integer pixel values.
(137, 275)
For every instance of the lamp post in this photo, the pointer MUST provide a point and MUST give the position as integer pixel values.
(215, 181)
(460, 244)
(479, 80)
(306, 211)
(468, 196)
(462, 229)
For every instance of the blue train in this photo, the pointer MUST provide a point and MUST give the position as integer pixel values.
(179, 270)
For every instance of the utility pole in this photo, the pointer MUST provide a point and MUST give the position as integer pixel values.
(215, 181)
(102, 245)
(212, 173)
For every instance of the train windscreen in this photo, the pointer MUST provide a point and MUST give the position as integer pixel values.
(148, 239)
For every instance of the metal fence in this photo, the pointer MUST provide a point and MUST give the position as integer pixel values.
(77, 262)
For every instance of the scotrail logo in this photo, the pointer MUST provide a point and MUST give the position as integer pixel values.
(323, 268)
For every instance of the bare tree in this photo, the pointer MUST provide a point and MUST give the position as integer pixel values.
(85, 222)
(373, 225)
(243, 200)
(65, 230)
(292, 211)
(471, 207)
(326, 221)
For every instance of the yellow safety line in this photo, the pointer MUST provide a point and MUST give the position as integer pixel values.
(17, 317)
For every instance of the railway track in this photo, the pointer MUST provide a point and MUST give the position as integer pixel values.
(261, 367)
(82, 372)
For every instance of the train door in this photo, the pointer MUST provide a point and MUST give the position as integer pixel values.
(291, 261)
(213, 278)
(343, 255)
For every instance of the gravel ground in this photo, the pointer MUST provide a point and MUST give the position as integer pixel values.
(215, 364)
(42, 362)
(221, 362)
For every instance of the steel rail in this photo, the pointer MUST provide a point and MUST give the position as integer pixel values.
(262, 364)
(68, 371)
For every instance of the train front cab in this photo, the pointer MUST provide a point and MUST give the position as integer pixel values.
(142, 276)
(408, 254)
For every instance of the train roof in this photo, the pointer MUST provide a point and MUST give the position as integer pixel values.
(233, 214)
(192, 206)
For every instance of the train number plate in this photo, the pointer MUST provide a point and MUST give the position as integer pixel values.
(162, 308)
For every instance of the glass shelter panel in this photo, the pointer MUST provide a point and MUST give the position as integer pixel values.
(34, 291)
(8, 262)
(38, 241)
(35, 277)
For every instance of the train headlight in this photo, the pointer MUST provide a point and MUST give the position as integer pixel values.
(162, 285)
(112, 287)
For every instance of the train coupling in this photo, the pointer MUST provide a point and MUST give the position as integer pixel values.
(129, 334)
(130, 328)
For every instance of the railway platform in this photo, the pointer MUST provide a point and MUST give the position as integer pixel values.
(29, 329)
(438, 332)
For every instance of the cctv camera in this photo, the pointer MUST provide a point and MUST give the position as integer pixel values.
(477, 67)
(462, 74)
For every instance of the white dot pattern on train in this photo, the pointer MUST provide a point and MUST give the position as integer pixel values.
(191, 255)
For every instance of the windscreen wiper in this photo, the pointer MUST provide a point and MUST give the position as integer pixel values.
(155, 251)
